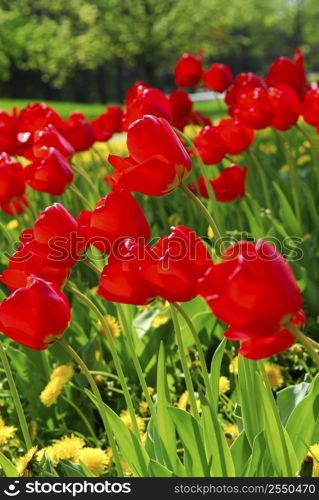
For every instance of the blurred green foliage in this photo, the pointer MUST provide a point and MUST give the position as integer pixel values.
(93, 49)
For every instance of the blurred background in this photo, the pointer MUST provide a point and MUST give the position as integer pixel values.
(93, 50)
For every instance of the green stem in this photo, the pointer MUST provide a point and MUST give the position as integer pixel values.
(203, 170)
(262, 176)
(188, 379)
(107, 335)
(16, 398)
(294, 177)
(79, 170)
(199, 350)
(313, 149)
(99, 401)
(84, 201)
(81, 414)
(306, 342)
(209, 219)
(136, 362)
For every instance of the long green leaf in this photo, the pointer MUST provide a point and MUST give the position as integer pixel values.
(8, 467)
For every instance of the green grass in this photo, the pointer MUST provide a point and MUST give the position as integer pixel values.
(91, 110)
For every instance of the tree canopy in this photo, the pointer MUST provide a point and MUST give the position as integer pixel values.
(92, 50)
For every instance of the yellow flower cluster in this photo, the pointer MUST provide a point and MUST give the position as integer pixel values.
(224, 384)
(159, 320)
(314, 454)
(184, 403)
(274, 374)
(6, 431)
(126, 418)
(73, 448)
(59, 378)
(113, 325)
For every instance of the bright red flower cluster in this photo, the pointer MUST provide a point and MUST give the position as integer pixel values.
(228, 186)
(254, 291)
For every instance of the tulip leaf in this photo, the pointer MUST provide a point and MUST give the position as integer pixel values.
(191, 435)
(287, 214)
(164, 433)
(215, 370)
(240, 452)
(129, 445)
(289, 397)
(303, 421)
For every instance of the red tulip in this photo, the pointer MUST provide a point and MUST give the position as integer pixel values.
(35, 315)
(50, 137)
(210, 145)
(236, 135)
(23, 264)
(291, 73)
(158, 161)
(286, 105)
(12, 184)
(148, 101)
(37, 116)
(254, 291)
(255, 108)
(181, 106)
(310, 107)
(188, 70)
(218, 77)
(121, 279)
(15, 207)
(242, 83)
(182, 259)
(117, 216)
(56, 240)
(108, 123)
(228, 186)
(134, 91)
(8, 133)
(50, 173)
(78, 132)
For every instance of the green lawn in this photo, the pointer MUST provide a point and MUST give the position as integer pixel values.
(91, 110)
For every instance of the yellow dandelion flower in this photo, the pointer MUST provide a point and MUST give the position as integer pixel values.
(51, 392)
(314, 454)
(126, 418)
(143, 407)
(13, 224)
(306, 144)
(6, 431)
(113, 325)
(183, 401)
(67, 448)
(94, 290)
(127, 471)
(174, 220)
(150, 390)
(64, 372)
(233, 366)
(274, 374)
(59, 378)
(210, 233)
(25, 463)
(159, 320)
(95, 459)
(303, 159)
(224, 384)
